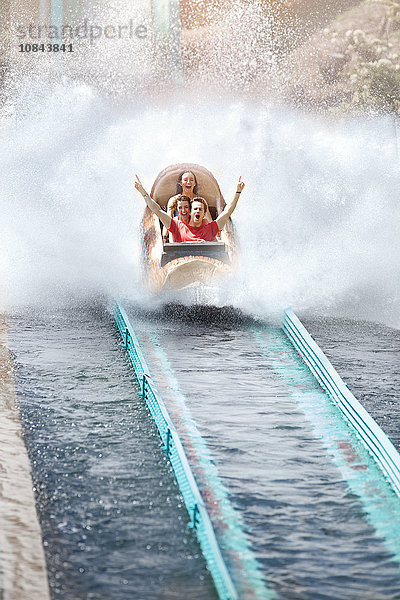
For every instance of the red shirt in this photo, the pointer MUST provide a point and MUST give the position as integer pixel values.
(188, 233)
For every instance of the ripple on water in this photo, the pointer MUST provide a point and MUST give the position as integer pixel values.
(310, 532)
(113, 520)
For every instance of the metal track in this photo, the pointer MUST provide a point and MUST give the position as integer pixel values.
(368, 431)
(200, 520)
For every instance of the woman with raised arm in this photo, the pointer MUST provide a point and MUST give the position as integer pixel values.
(178, 208)
(196, 231)
(186, 185)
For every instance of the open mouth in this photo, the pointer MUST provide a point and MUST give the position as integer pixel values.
(196, 217)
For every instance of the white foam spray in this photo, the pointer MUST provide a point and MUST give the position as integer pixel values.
(318, 220)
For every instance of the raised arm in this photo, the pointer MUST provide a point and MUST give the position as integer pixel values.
(171, 207)
(223, 218)
(153, 206)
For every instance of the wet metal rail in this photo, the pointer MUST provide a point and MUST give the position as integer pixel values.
(200, 520)
(367, 430)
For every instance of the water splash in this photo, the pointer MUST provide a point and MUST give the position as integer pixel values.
(318, 221)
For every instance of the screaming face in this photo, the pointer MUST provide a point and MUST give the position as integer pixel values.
(188, 182)
(183, 208)
(198, 212)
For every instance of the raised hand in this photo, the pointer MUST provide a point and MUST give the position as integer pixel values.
(139, 186)
(240, 185)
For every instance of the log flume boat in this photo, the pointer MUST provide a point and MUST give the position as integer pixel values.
(178, 266)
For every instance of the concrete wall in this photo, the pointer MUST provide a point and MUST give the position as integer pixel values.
(22, 564)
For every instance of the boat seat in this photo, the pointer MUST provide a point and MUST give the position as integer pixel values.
(174, 250)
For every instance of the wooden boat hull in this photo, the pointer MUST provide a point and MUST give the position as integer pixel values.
(193, 270)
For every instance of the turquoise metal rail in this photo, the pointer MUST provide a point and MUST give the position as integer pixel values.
(166, 16)
(369, 432)
(200, 520)
(57, 16)
(167, 28)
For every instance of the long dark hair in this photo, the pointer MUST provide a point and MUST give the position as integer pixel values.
(179, 187)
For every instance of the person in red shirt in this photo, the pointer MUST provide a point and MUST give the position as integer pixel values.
(196, 231)
(179, 209)
(186, 186)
